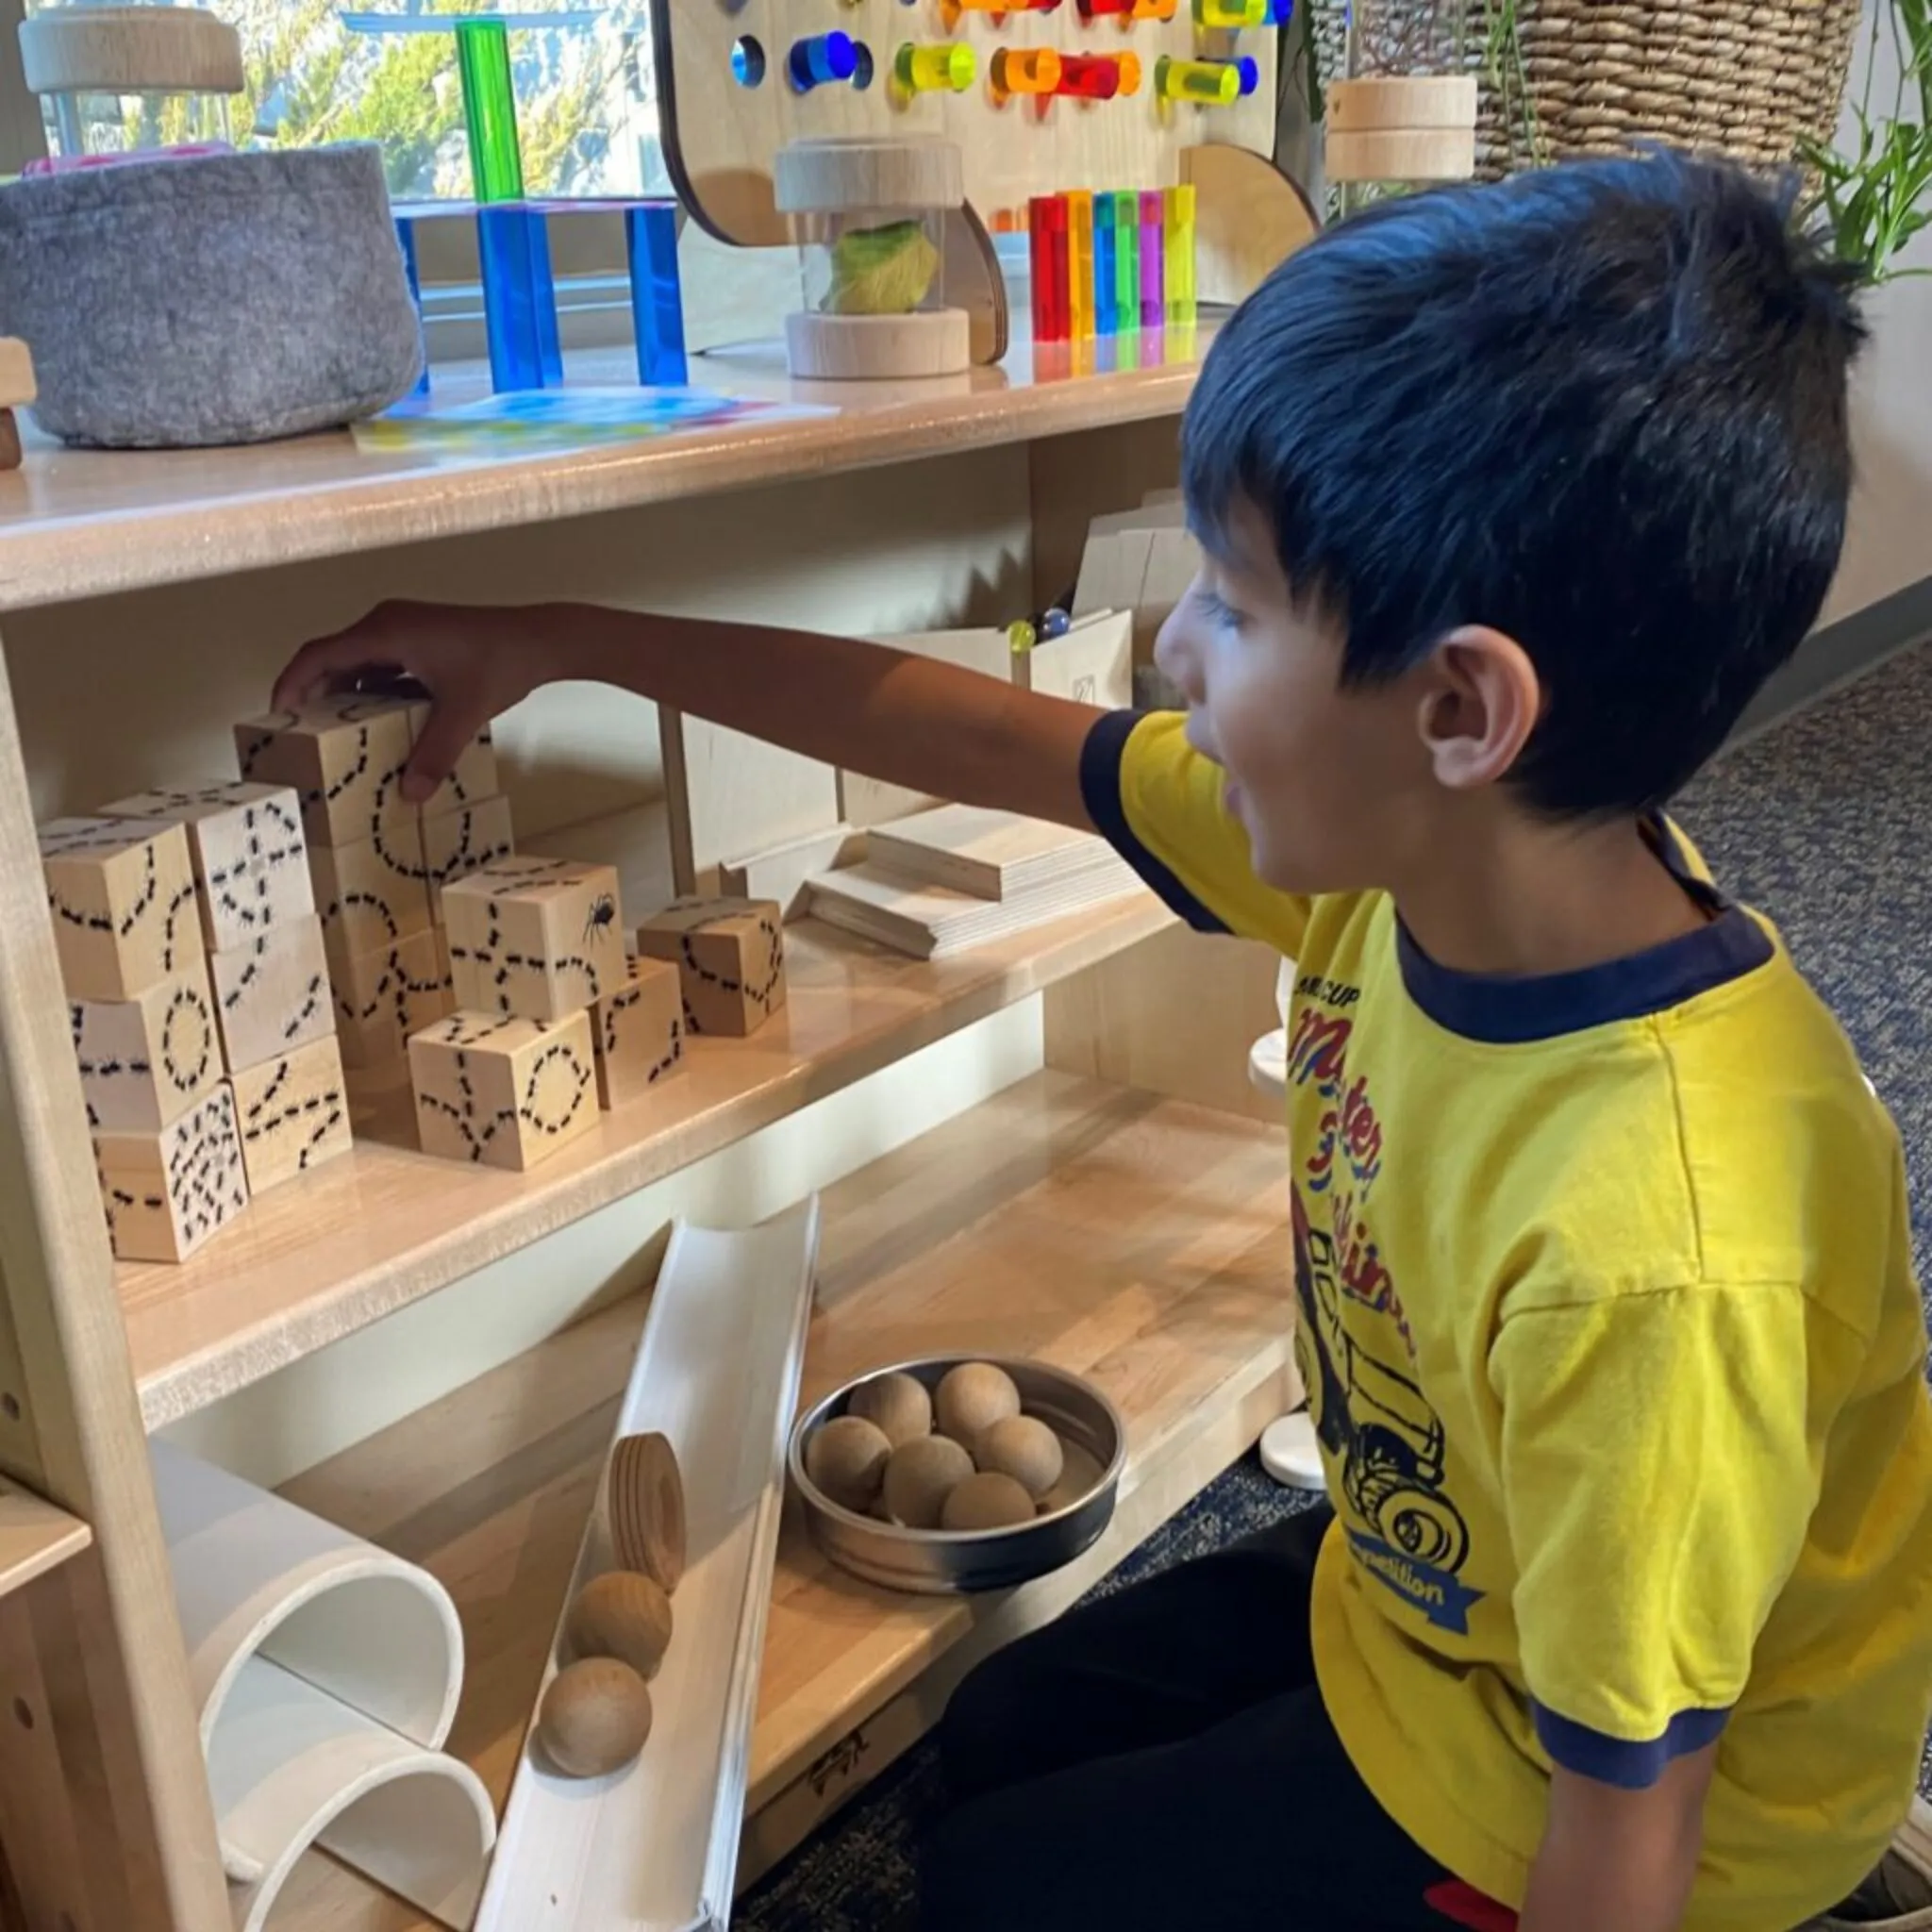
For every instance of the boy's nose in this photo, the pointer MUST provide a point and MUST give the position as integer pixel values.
(1174, 656)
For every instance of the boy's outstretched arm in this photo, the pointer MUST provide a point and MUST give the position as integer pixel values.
(863, 706)
(1614, 1860)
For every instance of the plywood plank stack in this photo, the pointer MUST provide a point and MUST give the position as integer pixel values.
(961, 876)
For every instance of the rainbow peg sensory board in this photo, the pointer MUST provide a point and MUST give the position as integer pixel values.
(1112, 262)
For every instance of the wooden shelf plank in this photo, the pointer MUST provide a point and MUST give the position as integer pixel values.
(90, 524)
(35, 1537)
(1140, 1241)
(384, 1225)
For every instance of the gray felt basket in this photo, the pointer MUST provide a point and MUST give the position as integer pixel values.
(229, 298)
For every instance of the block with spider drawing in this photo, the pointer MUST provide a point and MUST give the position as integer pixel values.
(251, 861)
(272, 996)
(730, 957)
(536, 936)
(291, 1113)
(145, 1061)
(639, 1032)
(384, 995)
(344, 756)
(122, 898)
(503, 1090)
(166, 1192)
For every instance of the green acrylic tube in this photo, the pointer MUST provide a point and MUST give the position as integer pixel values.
(490, 109)
(1126, 259)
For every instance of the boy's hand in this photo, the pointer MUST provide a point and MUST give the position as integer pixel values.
(472, 663)
(1614, 1860)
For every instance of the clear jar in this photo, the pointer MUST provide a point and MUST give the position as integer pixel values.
(96, 125)
(873, 261)
(1412, 37)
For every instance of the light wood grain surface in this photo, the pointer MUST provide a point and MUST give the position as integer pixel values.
(86, 523)
(34, 1536)
(1139, 1241)
(384, 1225)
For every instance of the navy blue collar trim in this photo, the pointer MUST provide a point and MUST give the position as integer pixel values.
(1513, 1010)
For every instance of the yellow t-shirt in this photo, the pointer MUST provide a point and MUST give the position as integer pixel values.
(1611, 1334)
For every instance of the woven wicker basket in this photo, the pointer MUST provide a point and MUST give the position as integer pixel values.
(1748, 78)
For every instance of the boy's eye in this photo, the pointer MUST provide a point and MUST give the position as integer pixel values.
(1218, 610)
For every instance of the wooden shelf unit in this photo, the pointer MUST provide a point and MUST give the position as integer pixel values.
(1134, 1239)
(35, 1537)
(263, 1293)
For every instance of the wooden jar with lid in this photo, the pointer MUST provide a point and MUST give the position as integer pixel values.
(869, 217)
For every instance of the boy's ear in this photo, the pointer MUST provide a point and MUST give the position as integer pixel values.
(1480, 700)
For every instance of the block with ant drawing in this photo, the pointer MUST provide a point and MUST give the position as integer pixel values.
(536, 936)
(251, 864)
(122, 898)
(370, 895)
(462, 840)
(145, 1061)
(473, 779)
(344, 756)
(639, 1032)
(272, 996)
(166, 1192)
(291, 1113)
(730, 956)
(384, 995)
(502, 1089)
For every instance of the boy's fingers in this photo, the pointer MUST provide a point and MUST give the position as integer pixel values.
(310, 669)
(441, 742)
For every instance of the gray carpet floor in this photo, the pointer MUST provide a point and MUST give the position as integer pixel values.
(1825, 822)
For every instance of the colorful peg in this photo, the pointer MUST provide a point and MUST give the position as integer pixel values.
(1106, 315)
(948, 68)
(1206, 83)
(1232, 13)
(490, 110)
(820, 60)
(999, 6)
(1095, 10)
(1098, 76)
(1026, 71)
(1250, 71)
(1080, 264)
(1153, 9)
(1046, 228)
(1153, 259)
(1126, 263)
(1180, 254)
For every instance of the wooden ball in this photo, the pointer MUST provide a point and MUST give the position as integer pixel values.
(594, 1717)
(920, 1478)
(620, 1614)
(898, 1403)
(987, 1502)
(846, 1460)
(972, 1398)
(1022, 1447)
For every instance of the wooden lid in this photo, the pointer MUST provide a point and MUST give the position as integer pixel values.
(130, 50)
(831, 176)
(1401, 101)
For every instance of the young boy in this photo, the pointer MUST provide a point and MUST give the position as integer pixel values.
(1511, 498)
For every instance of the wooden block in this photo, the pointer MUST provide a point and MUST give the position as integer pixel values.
(18, 385)
(291, 1113)
(1427, 154)
(344, 756)
(730, 957)
(166, 1192)
(272, 996)
(782, 874)
(539, 936)
(638, 1032)
(473, 779)
(145, 1061)
(251, 870)
(370, 893)
(458, 843)
(1386, 101)
(506, 1090)
(123, 901)
(1093, 663)
(383, 996)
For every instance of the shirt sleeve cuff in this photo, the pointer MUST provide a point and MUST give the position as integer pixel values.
(1101, 758)
(1630, 1765)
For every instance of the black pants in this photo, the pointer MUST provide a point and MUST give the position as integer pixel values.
(1162, 1761)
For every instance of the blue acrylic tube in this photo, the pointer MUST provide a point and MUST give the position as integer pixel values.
(657, 301)
(518, 297)
(1106, 306)
(819, 59)
(406, 237)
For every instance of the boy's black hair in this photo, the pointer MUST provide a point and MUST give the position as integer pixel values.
(1601, 408)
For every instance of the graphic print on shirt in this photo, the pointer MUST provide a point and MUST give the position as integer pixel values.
(1372, 1417)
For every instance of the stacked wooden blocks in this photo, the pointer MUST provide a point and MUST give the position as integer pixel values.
(730, 960)
(378, 863)
(553, 1017)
